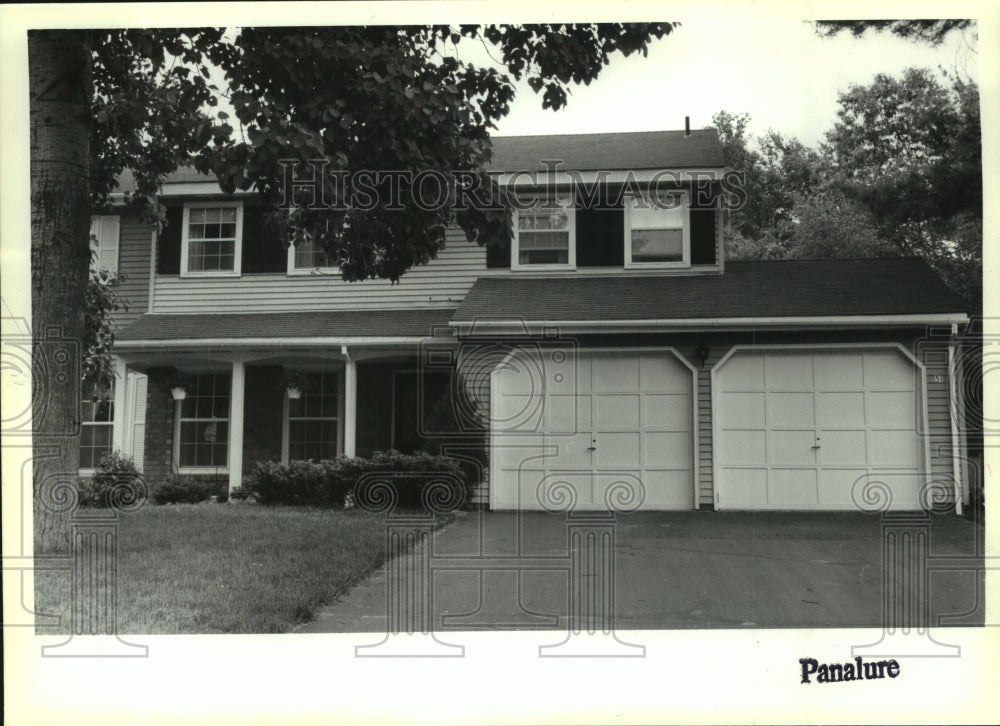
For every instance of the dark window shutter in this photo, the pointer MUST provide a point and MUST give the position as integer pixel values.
(262, 250)
(703, 239)
(168, 249)
(498, 256)
(600, 237)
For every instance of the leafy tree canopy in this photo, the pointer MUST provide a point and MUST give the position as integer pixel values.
(900, 172)
(927, 31)
(380, 98)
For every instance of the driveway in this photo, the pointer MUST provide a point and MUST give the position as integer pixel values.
(504, 570)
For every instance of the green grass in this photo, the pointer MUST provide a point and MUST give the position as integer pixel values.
(237, 568)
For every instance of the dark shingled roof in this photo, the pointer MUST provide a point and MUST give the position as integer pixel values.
(633, 150)
(777, 288)
(583, 152)
(330, 324)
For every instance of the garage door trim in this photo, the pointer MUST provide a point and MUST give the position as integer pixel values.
(695, 463)
(801, 347)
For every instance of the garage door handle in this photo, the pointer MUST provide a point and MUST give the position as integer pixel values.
(591, 448)
(816, 446)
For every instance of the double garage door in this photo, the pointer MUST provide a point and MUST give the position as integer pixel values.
(792, 429)
(813, 430)
(592, 431)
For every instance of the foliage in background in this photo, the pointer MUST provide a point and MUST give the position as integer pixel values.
(927, 31)
(103, 300)
(899, 173)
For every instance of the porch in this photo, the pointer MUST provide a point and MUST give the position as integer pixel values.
(362, 393)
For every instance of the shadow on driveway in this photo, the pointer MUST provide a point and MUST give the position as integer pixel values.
(675, 570)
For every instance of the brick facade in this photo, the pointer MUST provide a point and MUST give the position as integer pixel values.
(159, 444)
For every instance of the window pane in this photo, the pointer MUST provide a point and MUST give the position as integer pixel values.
(656, 217)
(313, 424)
(543, 257)
(204, 422)
(657, 245)
(212, 239)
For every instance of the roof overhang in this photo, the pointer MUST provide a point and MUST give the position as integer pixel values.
(303, 343)
(569, 177)
(484, 327)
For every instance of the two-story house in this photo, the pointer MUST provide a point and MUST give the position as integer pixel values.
(612, 350)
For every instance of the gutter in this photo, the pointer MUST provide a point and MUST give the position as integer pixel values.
(474, 327)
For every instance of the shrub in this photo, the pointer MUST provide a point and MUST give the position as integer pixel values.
(115, 480)
(298, 482)
(189, 490)
(332, 481)
(411, 473)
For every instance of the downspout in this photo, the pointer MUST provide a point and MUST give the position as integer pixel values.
(956, 465)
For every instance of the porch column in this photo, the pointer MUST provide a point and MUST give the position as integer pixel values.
(350, 404)
(118, 421)
(236, 425)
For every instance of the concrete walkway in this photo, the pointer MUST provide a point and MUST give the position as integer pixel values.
(683, 570)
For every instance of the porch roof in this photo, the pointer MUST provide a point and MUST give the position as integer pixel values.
(338, 324)
(816, 289)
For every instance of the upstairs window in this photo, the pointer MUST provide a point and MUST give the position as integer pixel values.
(657, 231)
(544, 235)
(306, 256)
(210, 243)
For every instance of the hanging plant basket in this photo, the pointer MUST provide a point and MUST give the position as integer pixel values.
(179, 383)
(294, 383)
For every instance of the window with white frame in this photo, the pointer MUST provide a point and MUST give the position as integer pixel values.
(657, 230)
(305, 255)
(203, 436)
(97, 422)
(544, 234)
(104, 230)
(210, 243)
(313, 419)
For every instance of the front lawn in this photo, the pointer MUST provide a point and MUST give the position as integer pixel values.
(236, 568)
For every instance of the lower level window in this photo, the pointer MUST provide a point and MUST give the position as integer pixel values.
(96, 424)
(313, 420)
(204, 434)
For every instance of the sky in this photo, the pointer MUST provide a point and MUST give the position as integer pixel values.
(774, 68)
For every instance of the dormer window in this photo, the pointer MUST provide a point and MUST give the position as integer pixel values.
(657, 231)
(545, 235)
(210, 241)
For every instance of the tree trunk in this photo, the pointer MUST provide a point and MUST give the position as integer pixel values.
(59, 67)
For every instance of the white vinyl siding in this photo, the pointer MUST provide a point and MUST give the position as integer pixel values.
(442, 282)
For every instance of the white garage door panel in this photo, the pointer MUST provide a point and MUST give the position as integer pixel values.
(797, 429)
(613, 417)
(794, 488)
